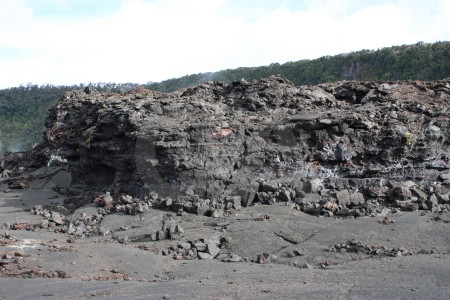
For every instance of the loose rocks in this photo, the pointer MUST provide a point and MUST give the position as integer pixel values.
(358, 247)
(170, 230)
(200, 249)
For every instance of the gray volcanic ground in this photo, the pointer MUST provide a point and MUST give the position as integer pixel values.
(255, 190)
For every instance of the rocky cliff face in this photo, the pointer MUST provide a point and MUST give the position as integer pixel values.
(347, 148)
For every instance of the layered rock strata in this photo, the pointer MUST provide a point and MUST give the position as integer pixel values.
(346, 148)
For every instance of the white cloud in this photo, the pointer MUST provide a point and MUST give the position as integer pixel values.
(164, 39)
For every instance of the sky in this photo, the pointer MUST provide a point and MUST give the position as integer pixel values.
(65, 42)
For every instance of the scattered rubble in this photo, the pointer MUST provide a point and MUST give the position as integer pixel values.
(10, 263)
(202, 249)
(358, 247)
(82, 224)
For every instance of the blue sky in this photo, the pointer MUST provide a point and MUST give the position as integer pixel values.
(74, 8)
(80, 41)
(96, 8)
(244, 10)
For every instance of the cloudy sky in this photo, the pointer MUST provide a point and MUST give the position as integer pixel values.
(81, 41)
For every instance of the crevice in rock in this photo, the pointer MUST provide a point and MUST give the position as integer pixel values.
(286, 238)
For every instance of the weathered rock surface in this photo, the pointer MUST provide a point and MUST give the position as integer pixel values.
(346, 149)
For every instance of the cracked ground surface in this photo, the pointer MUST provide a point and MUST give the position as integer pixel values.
(101, 267)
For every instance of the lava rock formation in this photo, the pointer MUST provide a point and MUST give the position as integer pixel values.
(346, 148)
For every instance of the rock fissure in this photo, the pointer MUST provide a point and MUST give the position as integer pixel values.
(287, 239)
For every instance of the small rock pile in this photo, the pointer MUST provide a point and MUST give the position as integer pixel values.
(201, 249)
(170, 230)
(359, 247)
(373, 197)
(83, 225)
(125, 203)
(182, 204)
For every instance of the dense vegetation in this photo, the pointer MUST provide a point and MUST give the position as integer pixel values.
(420, 61)
(23, 109)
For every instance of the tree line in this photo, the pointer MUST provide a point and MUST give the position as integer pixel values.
(420, 61)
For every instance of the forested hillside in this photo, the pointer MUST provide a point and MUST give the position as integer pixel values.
(419, 61)
(23, 109)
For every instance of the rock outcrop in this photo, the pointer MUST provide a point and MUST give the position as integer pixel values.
(346, 148)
